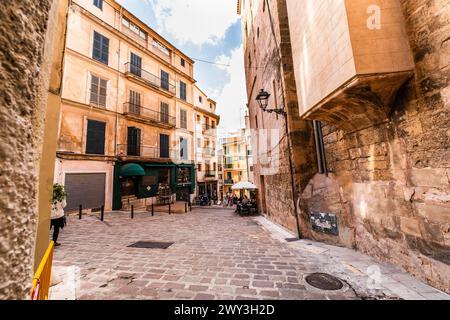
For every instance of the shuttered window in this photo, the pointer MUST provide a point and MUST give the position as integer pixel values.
(136, 65)
(98, 91)
(101, 48)
(95, 137)
(183, 119)
(134, 141)
(163, 146)
(164, 80)
(183, 95)
(164, 109)
(135, 102)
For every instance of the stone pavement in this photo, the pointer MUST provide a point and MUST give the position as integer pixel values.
(216, 255)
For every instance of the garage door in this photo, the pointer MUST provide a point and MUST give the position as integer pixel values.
(87, 189)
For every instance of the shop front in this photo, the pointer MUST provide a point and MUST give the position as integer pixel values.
(142, 180)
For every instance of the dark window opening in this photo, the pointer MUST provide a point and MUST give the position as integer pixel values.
(136, 65)
(95, 137)
(163, 146)
(98, 4)
(134, 141)
(183, 95)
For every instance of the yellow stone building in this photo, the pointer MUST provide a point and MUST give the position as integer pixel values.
(128, 113)
(235, 160)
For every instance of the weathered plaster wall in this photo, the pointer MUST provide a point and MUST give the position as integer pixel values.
(24, 83)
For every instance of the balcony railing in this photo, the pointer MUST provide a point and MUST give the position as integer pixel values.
(146, 152)
(206, 128)
(210, 174)
(209, 151)
(228, 166)
(150, 78)
(229, 182)
(152, 115)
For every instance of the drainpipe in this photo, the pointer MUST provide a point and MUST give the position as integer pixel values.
(118, 90)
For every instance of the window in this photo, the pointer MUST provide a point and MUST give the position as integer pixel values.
(256, 122)
(163, 146)
(134, 28)
(183, 62)
(210, 105)
(134, 141)
(95, 137)
(183, 119)
(164, 80)
(213, 124)
(101, 48)
(200, 99)
(183, 149)
(164, 109)
(158, 45)
(98, 4)
(135, 102)
(183, 95)
(136, 64)
(98, 91)
(198, 119)
(199, 143)
(199, 167)
(184, 175)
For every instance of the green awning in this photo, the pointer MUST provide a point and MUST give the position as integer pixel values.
(131, 169)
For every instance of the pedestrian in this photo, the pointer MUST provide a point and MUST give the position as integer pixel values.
(58, 220)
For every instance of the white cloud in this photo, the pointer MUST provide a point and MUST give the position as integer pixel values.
(233, 98)
(195, 21)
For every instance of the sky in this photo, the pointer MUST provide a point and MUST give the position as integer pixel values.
(205, 30)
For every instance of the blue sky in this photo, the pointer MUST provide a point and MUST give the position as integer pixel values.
(206, 30)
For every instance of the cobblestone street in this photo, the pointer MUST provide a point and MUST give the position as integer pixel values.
(215, 255)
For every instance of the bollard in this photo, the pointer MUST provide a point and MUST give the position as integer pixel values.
(102, 212)
(169, 209)
(190, 205)
(185, 207)
(81, 211)
(132, 211)
(153, 211)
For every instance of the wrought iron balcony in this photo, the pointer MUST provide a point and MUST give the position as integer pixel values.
(149, 78)
(209, 151)
(210, 173)
(135, 110)
(130, 150)
(208, 129)
(228, 166)
(228, 182)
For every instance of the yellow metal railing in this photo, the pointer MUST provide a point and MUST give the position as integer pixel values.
(42, 277)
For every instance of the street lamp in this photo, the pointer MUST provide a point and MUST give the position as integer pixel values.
(263, 101)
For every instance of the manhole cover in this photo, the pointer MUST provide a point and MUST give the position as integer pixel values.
(151, 245)
(324, 281)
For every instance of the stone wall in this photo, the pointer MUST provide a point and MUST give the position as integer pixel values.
(269, 66)
(389, 184)
(24, 83)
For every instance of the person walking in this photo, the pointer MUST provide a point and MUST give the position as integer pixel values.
(58, 220)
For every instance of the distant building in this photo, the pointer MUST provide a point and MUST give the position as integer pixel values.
(206, 144)
(235, 160)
